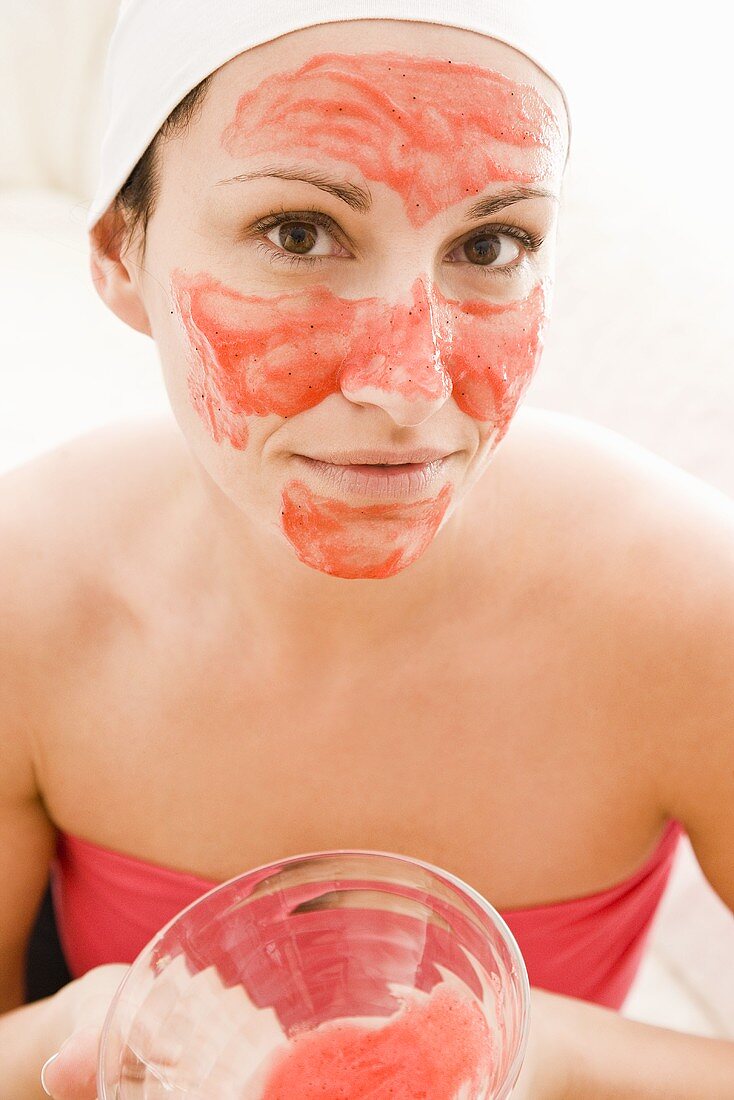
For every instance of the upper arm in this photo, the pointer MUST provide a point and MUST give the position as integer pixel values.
(26, 834)
(666, 559)
(64, 515)
(695, 661)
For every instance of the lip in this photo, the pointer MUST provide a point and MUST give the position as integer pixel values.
(394, 481)
(375, 457)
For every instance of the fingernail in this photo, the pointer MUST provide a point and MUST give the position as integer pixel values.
(43, 1071)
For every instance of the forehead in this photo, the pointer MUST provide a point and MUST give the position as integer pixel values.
(420, 43)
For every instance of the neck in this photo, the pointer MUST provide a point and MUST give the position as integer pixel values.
(298, 612)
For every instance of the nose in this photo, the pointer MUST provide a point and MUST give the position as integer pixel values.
(396, 357)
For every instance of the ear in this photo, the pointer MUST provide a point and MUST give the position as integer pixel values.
(112, 265)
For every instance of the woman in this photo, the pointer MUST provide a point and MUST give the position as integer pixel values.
(261, 640)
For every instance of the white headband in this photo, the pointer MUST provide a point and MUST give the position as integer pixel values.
(161, 49)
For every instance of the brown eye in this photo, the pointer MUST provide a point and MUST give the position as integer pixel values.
(297, 237)
(488, 247)
(301, 239)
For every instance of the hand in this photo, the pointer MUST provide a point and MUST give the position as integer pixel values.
(83, 1004)
(182, 1033)
(185, 1022)
(545, 1072)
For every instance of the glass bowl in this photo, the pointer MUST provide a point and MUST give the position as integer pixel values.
(339, 974)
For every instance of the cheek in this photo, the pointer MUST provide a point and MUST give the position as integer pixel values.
(252, 356)
(282, 355)
(496, 351)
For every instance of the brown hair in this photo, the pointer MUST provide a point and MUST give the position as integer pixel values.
(136, 198)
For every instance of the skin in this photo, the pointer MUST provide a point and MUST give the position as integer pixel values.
(515, 722)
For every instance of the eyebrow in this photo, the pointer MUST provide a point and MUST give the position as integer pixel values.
(357, 197)
(485, 207)
(360, 198)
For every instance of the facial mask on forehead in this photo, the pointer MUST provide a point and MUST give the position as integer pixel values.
(161, 49)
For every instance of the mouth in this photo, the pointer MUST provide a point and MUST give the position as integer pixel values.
(377, 479)
(382, 457)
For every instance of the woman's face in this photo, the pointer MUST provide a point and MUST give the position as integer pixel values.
(350, 260)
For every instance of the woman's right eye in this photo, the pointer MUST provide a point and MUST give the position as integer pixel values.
(300, 238)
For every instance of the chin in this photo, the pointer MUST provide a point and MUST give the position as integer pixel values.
(367, 542)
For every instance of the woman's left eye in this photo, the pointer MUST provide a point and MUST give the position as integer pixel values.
(488, 250)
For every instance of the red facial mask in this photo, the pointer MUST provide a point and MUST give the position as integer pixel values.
(284, 354)
(435, 131)
(253, 356)
(373, 540)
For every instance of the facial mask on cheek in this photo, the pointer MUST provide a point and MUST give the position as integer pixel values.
(253, 356)
(496, 351)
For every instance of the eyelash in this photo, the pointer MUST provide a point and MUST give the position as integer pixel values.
(531, 241)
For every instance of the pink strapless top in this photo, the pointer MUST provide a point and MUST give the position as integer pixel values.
(109, 905)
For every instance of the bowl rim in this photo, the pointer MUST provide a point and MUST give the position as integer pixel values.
(274, 866)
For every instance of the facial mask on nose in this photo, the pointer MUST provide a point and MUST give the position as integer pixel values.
(255, 356)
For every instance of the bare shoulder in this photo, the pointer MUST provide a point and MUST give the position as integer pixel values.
(596, 488)
(656, 539)
(71, 503)
(66, 518)
(98, 469)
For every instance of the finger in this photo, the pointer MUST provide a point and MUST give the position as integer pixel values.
(147, 1001)
(167, 1034)
(72, 1074)
(178, 1030)
(228, 1043)
(163, 1034)
(245, 1050)
(194, 1033)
